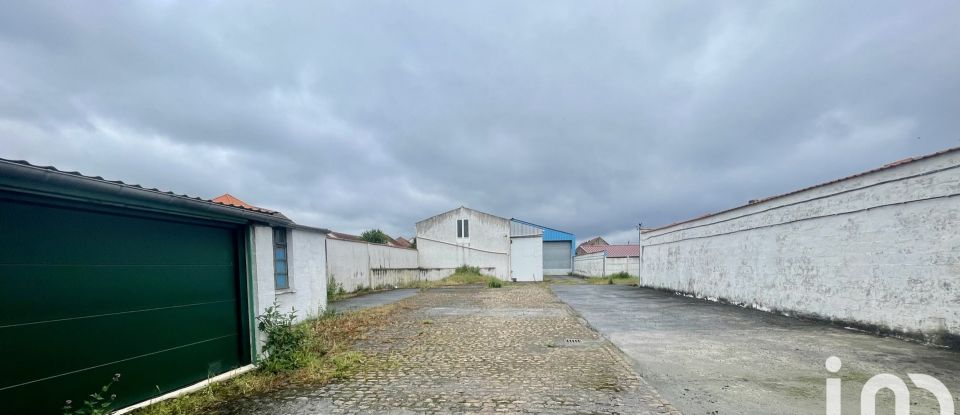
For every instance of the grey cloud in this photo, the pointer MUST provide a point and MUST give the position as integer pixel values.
(587, 117)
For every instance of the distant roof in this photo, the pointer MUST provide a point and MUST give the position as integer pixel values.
(595, 241)
(390, 241)
(887, 166)
(462, 207)
(72, 180)
(549, 234)
(613, 251)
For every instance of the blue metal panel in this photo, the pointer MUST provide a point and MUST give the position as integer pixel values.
(550, 234)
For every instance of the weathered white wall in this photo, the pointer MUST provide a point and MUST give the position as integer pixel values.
(487, 247)
(351, 263)
(596, 265)
(444, 255)
(306, 264)
(526, 258)
(487, 232)
(589, 265)
(629, 265)
(881, 249)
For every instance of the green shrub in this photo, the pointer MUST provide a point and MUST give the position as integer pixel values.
(375, 236)
(98, 403)
(286, 345)
(466, 269)
(620, 275)
(334, 289)
(494, 283)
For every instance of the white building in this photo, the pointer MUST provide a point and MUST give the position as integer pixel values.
(498, 246)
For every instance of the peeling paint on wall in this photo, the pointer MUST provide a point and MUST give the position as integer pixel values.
(879, 250)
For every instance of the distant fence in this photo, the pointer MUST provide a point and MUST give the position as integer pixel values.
(599, 265)
(355, 265)
(360, 264)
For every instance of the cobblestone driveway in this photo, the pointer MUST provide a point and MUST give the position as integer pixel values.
(516, 349)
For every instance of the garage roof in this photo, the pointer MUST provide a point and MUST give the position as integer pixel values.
(24, 177)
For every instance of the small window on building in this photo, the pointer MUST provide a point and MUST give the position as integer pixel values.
(281, 275)
(463, 228)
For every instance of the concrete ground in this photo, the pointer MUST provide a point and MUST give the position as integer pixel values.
(708, 358)
(515, 349)
(374, 299)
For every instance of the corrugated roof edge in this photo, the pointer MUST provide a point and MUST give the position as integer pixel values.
(887, 166)
(541, 226)
(22, 166)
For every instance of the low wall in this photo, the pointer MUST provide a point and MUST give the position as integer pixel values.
(589, 265)
(880, 250)
(352, 264)
(597, 265)
(402, 276)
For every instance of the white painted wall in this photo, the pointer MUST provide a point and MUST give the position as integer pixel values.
(526, 258)
(487, 247)
(307, 272)
(880, 249)
(436, 255)
(351, 263)
(487, 232)
(589, 265)
(629, 265)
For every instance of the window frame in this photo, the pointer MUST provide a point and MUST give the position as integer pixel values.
(278, 244)
(463, 228)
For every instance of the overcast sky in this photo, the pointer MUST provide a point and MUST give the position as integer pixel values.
(582, 116)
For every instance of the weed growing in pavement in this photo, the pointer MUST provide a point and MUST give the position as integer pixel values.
(97, 403)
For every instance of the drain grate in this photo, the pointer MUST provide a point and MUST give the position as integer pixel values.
(574, 340)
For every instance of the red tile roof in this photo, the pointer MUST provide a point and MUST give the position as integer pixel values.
(767, 199)
(230, 200)
(613, 251)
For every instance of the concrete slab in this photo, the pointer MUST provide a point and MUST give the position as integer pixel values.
(373, 299)
(709, 358)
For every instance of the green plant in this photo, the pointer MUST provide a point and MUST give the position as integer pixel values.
(494, 283)
(334, 289)
(620, 275)
(466, 269)
(375, 236)
(97, 404)
(286, 345)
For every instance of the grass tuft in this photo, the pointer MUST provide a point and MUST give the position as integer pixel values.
(329, 356)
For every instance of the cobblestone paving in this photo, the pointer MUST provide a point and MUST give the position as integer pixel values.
(516, 349)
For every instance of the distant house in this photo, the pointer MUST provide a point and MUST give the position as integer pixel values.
(99, 277)
(402, 242)
(595, 241)
(597, 258)
(613, 251)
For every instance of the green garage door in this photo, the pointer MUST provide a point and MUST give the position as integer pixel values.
(87, 293)
(556, 255)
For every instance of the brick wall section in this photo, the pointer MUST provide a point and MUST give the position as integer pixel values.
(880, 250)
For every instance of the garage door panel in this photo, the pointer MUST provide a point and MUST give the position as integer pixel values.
(52, 235)
(63, 346)
(556, 255)
(85, 294)
(83, 291)
(161, 372)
